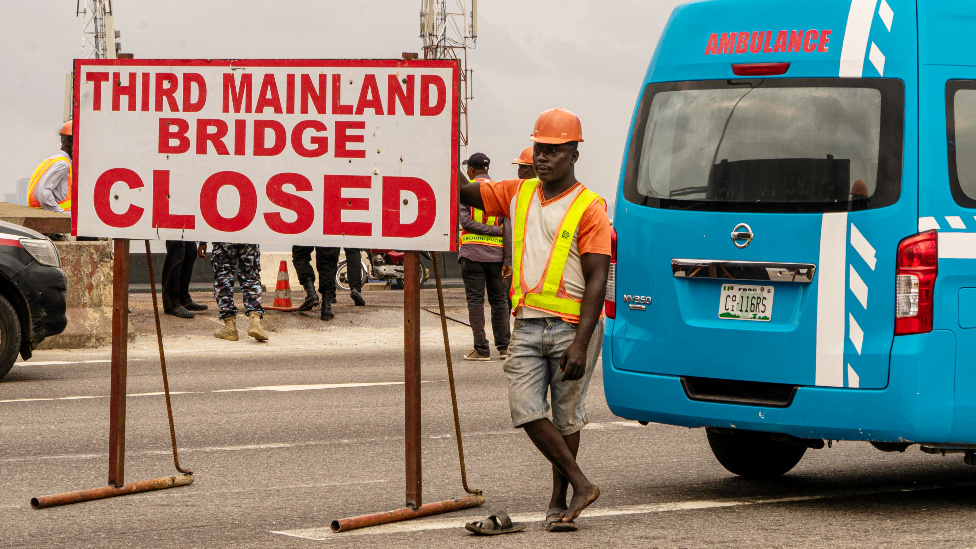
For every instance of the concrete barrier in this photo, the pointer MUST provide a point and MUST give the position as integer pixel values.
(88, 267)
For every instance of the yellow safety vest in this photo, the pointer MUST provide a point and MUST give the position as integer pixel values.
(39, 172)
(549, 294)
(485, 240)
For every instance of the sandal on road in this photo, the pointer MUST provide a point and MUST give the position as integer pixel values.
(553, 524)
(499, 523)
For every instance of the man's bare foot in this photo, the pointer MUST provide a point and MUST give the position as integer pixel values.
(582, 498)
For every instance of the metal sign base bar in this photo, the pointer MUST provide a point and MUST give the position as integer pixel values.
(446, 506)
(55, 500)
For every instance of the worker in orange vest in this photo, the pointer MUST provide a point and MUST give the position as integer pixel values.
(50, 184)
(524, 163)
(561, 259)
(485, 254)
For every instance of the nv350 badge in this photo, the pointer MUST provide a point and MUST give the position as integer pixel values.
(637, 302)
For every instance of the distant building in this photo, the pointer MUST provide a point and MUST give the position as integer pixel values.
(22, 184)
(10, 197)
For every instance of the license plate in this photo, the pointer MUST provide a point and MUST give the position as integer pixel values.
(741, 302)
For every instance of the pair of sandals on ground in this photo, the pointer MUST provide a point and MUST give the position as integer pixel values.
(501, 523)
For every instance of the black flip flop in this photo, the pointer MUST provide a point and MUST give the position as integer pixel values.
(499, 523)
(553, 524)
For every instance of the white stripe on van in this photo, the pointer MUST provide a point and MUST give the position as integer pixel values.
(863, 247)
(877, 58)
(856, 38)
(886, 14)
(859, 288)
(853, 380)
(957, 245)
(955, 222)
(928, 224)
(856, 334)
(831, 295)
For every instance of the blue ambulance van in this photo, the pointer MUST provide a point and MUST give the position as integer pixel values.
(795, 258)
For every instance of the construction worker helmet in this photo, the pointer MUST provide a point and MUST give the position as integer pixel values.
(524, 159)
(557, 126)
(67, 128)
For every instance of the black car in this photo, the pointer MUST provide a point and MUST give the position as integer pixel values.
(32, 293)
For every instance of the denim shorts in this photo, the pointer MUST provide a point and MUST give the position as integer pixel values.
(532, 368)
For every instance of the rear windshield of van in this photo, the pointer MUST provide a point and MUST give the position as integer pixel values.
(774, 145)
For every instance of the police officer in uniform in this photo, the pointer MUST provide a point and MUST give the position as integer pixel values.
(246, 260)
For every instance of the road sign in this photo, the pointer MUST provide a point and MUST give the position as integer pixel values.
(353, 153)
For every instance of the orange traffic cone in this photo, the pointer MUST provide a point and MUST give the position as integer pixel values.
(282, 298)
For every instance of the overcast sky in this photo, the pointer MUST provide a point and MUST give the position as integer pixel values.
(586, 56)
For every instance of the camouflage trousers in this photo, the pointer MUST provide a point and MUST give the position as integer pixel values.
(245, 259)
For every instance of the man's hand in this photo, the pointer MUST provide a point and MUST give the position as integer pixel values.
(201, 250)
(506, 271)
(573, 362)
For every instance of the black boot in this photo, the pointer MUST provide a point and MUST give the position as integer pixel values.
(327, 313)
(311, 297)
(357, 297)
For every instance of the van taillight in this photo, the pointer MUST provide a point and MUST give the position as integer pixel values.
(915, 274)
(610, 302)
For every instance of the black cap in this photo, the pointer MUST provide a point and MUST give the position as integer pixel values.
(478, 161)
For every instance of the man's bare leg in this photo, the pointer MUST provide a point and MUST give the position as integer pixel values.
(560, 485)
(551, 443)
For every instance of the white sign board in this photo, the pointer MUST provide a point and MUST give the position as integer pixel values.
(353, 153)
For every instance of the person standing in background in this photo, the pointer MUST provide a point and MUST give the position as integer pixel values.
(326, 263)
(50, 184)
(524, 163)
(177, 271)
(485, 254)
(245, 259)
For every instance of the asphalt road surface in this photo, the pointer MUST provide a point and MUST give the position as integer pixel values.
(284, 438)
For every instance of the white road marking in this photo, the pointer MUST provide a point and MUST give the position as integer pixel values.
(276, 388)
(853, 380)
(859, 288)
(609, 426)
(886, 14)
(434, 523)
(957, 245)
(877, 58)
(831, 294)
(928, 224)
(60, 362)
(863, 247)
(955, 222)
(856, 38)
(318, 387)
(857, 334)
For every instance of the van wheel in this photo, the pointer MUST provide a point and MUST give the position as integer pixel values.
(754, 455)
(9, 336)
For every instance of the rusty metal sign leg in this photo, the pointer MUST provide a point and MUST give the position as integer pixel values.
(411, 369)
(120, 342)
(116, 436)
(411, 377)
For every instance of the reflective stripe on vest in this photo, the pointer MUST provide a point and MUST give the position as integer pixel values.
(483, 239)
(547, 298)
(39, 171)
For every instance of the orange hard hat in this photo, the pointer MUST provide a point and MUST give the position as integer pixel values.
(524, 159)
(557, 126)
(67, 128)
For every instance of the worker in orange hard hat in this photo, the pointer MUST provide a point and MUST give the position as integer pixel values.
(560, 260)
(524, 163)
(50, 184)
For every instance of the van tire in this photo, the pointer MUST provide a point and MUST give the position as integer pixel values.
(10, 336)
(754, 455)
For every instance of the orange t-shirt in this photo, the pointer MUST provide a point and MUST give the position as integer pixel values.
(544, 220)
